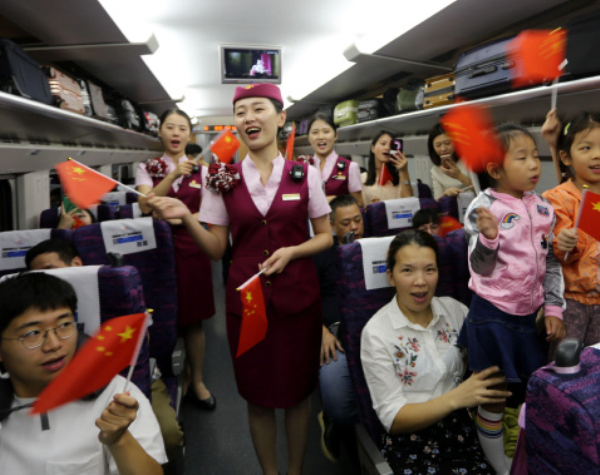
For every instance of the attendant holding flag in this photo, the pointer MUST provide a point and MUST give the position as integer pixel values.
(175, 175)
(513, 269)
(340, 175)
(265, 201)
(109, 431)
(577, 206)
(387, 177)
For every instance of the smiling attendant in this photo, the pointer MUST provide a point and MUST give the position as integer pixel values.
(266, 212)
(414, 369)
(175, 175)
(449, 175)
(397, 165)
(579, 148)
(104, 433)
(513, 274)
(340, 175)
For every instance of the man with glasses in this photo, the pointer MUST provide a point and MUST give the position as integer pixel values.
(105, 433)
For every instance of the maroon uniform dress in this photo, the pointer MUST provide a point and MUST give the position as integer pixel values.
(337, 183)
(194, 269)
(282, 370)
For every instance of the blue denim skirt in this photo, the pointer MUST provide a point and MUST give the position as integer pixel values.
(495, 338)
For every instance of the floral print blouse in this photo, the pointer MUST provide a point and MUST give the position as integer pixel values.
(405, 363)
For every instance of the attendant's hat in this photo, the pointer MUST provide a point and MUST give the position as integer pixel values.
(270, 91)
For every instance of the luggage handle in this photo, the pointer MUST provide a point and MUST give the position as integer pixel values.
(483, 71)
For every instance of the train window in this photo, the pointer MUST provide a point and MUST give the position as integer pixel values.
(6, 206)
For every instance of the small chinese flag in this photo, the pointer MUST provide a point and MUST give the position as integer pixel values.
(225, 146)
(589, 214)
(384, 175)
(84, 186)
(112, 348)
(449, 224)
(254, 315)
(289, 146)
(77, 223)
(537, 55)
(470, 128)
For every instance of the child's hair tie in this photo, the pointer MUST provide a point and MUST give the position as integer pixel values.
(567, 128)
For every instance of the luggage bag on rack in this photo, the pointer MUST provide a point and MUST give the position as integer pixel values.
(65, 90)
(410, 96)
(583, 40)
(369, 110)
(346, 113)
(484, 71)
(21, 75)
(439, 91)
(150, 122)
(99, 109)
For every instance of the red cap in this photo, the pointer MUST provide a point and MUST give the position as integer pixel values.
(270, 91)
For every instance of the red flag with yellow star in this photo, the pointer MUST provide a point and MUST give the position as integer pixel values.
(471, 128)
(449, 224)
(537, 56)
(112, 348)
(225, 146)
(589, 214)
(254, 315)
(83, 186)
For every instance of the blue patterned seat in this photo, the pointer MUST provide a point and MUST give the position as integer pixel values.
(157, 270)
(377, 223)
(458, 245)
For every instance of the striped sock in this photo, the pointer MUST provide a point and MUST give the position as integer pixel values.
(489, 430)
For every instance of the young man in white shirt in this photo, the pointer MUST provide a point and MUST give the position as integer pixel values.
(105, 433)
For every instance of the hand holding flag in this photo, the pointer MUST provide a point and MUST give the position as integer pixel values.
(254, 315)
(112, 348)
(225, 146)
(470, 128)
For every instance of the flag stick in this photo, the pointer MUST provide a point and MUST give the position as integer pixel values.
(578, 214)
(554, 94)
(248, 281)
(475, 182)
(133, 190)
(136, 353)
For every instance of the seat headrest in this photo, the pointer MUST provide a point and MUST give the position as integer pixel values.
(128, 236)
(15, 244)
(374, 261)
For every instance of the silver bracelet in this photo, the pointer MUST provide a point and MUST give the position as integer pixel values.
(405, 182)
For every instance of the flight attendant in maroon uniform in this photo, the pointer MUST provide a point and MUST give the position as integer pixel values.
(266, 211)
(175, 176)
(340, 175)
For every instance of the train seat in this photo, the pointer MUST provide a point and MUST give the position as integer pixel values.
(456, 206)
(15, 244)
(155, 262)
(388, 218)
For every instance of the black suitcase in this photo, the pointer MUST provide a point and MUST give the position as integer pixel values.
(583, 41)
(128, 115)
(21, 75)
(369, 110)
(483, 71)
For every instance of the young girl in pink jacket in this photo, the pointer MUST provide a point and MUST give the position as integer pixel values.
(513, 274)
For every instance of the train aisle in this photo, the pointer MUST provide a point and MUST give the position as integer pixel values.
(219, 442)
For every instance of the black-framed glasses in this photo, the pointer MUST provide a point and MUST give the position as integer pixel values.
(36, 338)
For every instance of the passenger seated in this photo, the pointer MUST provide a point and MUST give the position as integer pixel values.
(106, 432)
(427, 220)
(339, 407)
(414, 369)
(67, 220)
(57, 254)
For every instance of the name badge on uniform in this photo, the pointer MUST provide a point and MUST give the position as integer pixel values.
(339, 176)
(193, 184)
(291, 197)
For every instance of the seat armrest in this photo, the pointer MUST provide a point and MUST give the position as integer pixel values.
(371, 459)
(178, 357)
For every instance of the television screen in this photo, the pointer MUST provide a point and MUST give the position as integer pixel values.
(248, 65)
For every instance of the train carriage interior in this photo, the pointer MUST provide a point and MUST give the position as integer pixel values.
(145, 57)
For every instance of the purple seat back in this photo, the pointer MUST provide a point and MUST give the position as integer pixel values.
(448, 205)
(157, 270)
(563, 419)
(49, 218)
(458, 245)
(424, 190)
(377, 218)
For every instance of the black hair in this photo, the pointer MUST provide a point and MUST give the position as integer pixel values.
(176, 111)
(436, 131)
(34, 290)
(328, 119)
(582, 122)
(425, 216)
(65, 250)
(193, 149)
(408, 237)
(341, 201)
(372, 172)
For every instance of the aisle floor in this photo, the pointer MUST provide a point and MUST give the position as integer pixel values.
(219, 442)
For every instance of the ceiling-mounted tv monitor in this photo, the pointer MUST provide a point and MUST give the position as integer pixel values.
(250, 64)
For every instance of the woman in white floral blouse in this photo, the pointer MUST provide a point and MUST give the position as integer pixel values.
(414, 370)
